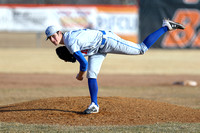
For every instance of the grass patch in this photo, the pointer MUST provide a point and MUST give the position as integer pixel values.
(185, 96)
(155, 61)
(166, 127)
(179, 95)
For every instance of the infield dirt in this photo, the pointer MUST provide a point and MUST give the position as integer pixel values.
(113, 110)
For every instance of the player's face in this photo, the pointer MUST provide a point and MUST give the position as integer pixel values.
(55, 38)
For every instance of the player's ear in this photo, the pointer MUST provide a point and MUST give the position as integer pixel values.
(59, 32)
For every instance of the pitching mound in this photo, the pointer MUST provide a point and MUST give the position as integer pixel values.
(113, 111)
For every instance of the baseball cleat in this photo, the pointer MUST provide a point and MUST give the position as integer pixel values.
(93, 108)
(172, 25)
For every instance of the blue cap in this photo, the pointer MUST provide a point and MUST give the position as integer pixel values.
(50, 31)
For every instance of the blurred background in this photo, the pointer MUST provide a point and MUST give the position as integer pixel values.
(23, 45)
(22, 23)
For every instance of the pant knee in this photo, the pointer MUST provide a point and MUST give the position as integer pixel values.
(92, 74)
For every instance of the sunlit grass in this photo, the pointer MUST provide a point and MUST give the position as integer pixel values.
(45, 60)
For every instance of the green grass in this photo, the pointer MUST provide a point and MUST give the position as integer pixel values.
(156, 128)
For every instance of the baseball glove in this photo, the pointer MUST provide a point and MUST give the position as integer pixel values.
(64, 54)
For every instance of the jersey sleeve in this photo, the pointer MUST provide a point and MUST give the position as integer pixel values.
(81, 59)
(72, 46)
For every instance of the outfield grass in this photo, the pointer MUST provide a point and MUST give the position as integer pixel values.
(179, 95)
(156, 128)
(32, 60)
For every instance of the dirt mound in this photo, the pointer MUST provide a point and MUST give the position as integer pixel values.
(113, 111)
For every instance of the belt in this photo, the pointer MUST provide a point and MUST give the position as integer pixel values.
(103, 38)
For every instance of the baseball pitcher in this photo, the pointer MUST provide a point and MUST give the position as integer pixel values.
(96, 44)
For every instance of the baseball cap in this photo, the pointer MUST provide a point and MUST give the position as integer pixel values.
(50, 30)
